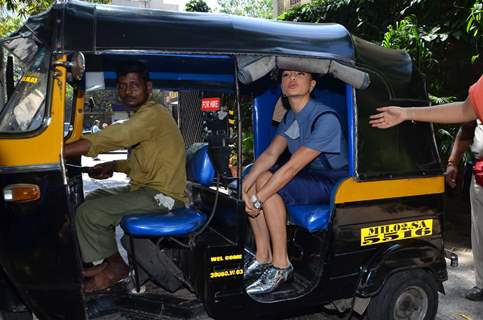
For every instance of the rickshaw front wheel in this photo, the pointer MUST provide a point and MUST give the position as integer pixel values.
(408, 295)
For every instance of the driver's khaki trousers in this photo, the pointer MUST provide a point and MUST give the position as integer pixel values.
(97, 217)
(476, 198)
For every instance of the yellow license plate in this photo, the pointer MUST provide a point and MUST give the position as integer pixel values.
(396, 231)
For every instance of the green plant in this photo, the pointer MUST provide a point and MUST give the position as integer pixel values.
(9, 24)
(475, 25)
(247, 148)
(407, 35)
(197, 6)
(250, 8)
(25, 8)
(444, 133)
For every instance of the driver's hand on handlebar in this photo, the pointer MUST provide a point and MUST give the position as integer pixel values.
(102, 170)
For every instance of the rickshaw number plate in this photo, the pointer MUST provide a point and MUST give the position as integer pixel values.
(396, 231)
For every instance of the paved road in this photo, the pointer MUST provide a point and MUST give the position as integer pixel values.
(452, 306)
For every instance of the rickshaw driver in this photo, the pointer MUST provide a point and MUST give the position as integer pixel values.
(313, 134)
(155, 165)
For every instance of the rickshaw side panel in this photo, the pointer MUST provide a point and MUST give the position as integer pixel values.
(39, 251)
(215, 266)
(367, 266)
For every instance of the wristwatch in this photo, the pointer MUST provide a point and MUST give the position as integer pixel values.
(256, 202)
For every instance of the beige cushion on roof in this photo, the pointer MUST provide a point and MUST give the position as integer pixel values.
(279, 111)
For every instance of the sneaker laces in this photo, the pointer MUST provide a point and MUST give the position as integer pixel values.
(264, 276)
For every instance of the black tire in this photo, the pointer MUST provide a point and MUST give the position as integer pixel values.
(408, 295)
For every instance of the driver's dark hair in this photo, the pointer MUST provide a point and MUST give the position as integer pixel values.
(133, 67)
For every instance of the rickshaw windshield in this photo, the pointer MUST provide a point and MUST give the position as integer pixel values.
(25, 110)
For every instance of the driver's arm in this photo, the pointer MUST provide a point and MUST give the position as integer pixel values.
(77, 148)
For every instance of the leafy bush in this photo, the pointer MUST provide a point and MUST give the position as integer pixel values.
(197, 6)
(408, 35)
(475, 25)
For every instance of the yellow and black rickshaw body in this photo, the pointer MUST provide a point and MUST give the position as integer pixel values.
(385, 219)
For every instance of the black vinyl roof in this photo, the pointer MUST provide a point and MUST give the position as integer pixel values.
(94, 28)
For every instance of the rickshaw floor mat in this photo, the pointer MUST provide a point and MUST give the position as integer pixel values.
(161, 306)
(292, 289)
(145, 306)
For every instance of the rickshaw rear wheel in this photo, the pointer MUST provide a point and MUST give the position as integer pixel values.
(409, 295)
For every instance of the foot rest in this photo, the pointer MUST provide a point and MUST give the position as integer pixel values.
(178, 222)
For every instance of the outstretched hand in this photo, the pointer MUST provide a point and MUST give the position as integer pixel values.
(388, 117)
(451, 174)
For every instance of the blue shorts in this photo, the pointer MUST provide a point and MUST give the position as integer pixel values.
(309, 187)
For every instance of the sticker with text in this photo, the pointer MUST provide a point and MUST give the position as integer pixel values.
(396, 231)
(210, 104)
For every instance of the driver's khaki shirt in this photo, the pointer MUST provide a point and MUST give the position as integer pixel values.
(156, 150)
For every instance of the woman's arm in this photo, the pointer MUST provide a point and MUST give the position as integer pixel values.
(301, 158)
(456, 112)
(266, 160)
(463, 140)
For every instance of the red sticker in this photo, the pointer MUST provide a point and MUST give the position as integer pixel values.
(210, 104)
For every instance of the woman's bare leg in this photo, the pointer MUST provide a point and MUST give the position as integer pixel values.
(275, 217)
(262, 238)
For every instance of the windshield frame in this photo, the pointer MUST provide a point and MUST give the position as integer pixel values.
(46, 117)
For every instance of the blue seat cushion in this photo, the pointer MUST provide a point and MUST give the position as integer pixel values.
(313, 217)
(178, 222)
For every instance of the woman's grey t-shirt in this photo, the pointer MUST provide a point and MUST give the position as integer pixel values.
(317, 127)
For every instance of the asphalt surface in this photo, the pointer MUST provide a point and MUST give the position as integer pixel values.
(452, 305)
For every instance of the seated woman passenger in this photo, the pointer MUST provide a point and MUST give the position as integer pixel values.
(313, 134)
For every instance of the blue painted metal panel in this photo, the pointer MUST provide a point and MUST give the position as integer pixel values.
(177, 76)
(351, 132)
(263, 130)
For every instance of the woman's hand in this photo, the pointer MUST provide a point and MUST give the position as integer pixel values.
(451, 174)
(388, 117)
(102, 170)
(249, 208)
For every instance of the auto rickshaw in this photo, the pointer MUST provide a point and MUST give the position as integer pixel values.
(376, 248)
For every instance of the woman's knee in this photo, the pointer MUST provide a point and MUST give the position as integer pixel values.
(263, 179)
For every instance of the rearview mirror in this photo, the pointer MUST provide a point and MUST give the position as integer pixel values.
(77, 65)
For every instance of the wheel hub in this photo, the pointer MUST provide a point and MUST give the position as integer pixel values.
(412, 304)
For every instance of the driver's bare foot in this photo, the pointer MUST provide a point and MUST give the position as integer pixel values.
(114, 271)
(92, 271)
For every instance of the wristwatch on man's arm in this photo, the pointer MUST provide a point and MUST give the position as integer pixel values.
(257, 204)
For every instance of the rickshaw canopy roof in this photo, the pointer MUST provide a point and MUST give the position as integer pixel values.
(93, 27)
(107, 29)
